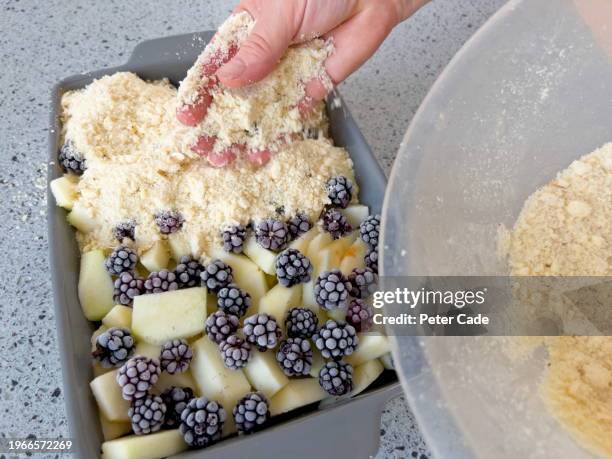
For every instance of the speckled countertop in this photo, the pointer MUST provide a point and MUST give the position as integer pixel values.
(42, 42)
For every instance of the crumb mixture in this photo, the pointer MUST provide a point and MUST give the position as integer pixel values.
(139, 163)
(565, 229)
(264, 114)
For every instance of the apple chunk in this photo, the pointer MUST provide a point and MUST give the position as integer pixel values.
(330, 257)
(299, 392)
(64, 191)
(366, 374)
(166, 380)
(120, 316)
(153, 446)
(160, 317)
(264, 258)
(279, 300)
(302, 242)
(107, 393)
(81, 218)
(354, 257)
(157, 257)
(145, 349)
(112, 430)
(265, 374)
(95, 286)
(371, 346)
(355, 214)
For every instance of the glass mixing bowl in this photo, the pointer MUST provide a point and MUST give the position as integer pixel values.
(528, 94)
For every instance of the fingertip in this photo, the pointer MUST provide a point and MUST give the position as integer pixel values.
(204, 145)
(192, 114)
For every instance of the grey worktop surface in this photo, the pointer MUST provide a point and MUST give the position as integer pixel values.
(44, 41)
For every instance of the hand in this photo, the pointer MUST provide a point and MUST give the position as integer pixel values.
(357, 28)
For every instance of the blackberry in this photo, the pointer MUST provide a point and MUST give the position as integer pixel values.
(220, 325)
(292, 267)
(176, 399)
(340, 191)
(336, 378)
(216, 275)
(147, 414)
(262, 331)
(169, 221)
(233, 238)
(369, 230)
(137, 376)
(335, 223)
(371, 259)
(235, 352)
(202, 422)
(175, 356)
(233, 300)
(161, 281)
(298, 225)
(331, 290)
(251, 412)
(364, 282)
(295, 356)
(127, 287)
(113, 347)
(71, 160)
(188, 272)
(360, 315)
(272, 234)
(335, 339)
(301, 323)
(125, 230)
(121, 260)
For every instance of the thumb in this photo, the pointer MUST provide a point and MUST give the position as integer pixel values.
(258, 54)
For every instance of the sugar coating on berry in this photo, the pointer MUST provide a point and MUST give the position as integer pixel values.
(125, 230)
(233, 238)
(169, 221)
(331, 290)
(371, 259)
(335, 339)
(336, 378)
(220, 325)
(161, 281)
(188, 272)
(176, 399)
(216, 275)
(335, 223)
(202, 422)
(369, 230)
(272, 234)
(71, 160)
(298, 225)
(137, 376)
(233, 300)
(301, 322)
(292, 268)
(294, 356)
(113, 347)
(251, 412)
(261, 330)
(127, 287)
(360, 315)
(340, 191)
(147, 414)
(121, 260)
(175, 356)
(235, 352)
(364, 282)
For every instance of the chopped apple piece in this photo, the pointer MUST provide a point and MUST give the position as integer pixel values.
(339, 315)
(179, 245)
(317, 363)
(107, 393)
(213, 378)
(308, 296)
(302, 242)
(157, 257)
(98, 369)
(387, 361)
(64, 191)
(331, 255)
(160, 317)
(145, 349)
(371, 346)
(94, 336)
(120, 316)
(264, 258)
(299, 392)
(153, 446)
(365, 374)
(354, 257)
(95, 286)
(81, 218)
(167, 380)
(355, 214)
(271, 280)
(112, 430)
(279, 300)
(265, 374)
(318, 243)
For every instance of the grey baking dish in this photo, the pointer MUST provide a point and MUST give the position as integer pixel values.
(349, 429)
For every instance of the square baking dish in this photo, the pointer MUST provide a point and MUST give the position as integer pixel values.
(346, 429)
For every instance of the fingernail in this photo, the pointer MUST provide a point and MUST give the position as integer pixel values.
(232, 70)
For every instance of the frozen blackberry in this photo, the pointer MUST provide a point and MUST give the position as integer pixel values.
(147, 414)
(294, 356)
(169, 221)
(331, 290)
(188, 272)
(202, 422)
(121, 260)
(298, 225)
(261, 330)
(71, 160)
(360, 315)
(127, 287)
(272, 234)
(335, 339)
(235, 352)
(233, 238)
(176, 399)
(292, 268)
(125, 230)
(251, 412)
(301, 322)
(335, 223)
(161, 281)
(113, 347)
(369, 230)
(340, 191)
(137, 376)
(364, 282)
(336, 378)
(220, 325)
(233, 300)
(216, 275)
(371, 259)
(175, 356)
